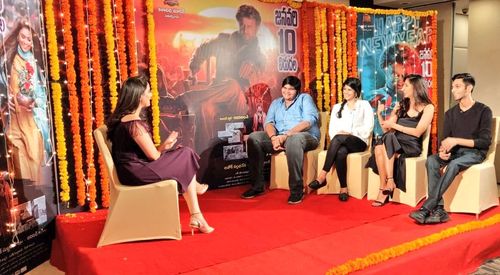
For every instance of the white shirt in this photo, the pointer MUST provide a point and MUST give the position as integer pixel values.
(358, 121)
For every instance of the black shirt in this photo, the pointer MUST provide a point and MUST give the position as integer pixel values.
(475, 124)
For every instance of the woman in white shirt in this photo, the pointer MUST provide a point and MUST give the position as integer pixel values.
(351, 125)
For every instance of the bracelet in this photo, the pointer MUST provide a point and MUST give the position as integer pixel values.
(271, 137)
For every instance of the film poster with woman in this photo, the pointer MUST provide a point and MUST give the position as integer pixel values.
(220, 64)
(27, 203)
(391, 46)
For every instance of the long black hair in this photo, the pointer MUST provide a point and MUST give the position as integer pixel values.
(128, 100)
(419, 93)
(353, 83)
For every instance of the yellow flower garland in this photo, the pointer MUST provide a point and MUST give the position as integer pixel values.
(325, 52)
(344, 45)
(153, 68)
(319, 70)
(338, 54)
(399, 250)
(110, 51)
(50, 24)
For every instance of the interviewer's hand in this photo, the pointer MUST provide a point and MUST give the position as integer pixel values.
(171, 140)
(448, 143)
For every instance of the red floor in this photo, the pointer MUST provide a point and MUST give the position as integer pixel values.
(266, 235)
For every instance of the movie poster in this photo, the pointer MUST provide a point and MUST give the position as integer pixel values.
(220, 64)
(27, 203)
(391, 46)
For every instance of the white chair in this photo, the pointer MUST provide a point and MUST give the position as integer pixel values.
(416, 178)
(475, 189)
(279, 166)
(137, 213)
(357, 174)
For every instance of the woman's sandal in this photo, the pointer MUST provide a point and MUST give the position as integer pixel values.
(377, 203)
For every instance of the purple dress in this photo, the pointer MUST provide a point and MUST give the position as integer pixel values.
(134, 168)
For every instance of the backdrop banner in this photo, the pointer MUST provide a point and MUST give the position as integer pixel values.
(219, 67)
(27, 197)
(389, 47)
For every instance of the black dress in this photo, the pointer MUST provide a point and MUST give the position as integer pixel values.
(134, 168)
(401, 143)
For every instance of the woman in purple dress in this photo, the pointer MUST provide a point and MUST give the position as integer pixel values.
(138, 161)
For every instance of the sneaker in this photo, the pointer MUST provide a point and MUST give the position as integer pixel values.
(251, 193)
(439, 215)
(420, 215)
(295, 198)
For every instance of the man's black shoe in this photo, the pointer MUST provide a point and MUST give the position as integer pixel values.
(250, 193)
(295, 198)
(420, 215)
(439, 215)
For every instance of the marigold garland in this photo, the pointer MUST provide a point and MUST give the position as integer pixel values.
(331, 66)
(120, 39)
(319, 70)
(325, 53)
(399, 250)
(110, 51)
(50, 24)
(98, 93)
(344, 45)
(131, 45)
(73, 101)
(153, 68)
(338, 53)
(434, 130)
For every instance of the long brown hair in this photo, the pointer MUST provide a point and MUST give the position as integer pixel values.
(9, 47)
(128, 100)
(419, 93)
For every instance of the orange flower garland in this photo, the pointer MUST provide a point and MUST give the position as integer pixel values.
(83, 62)
(153, 68)
(110, 52)
(131, 45)
(73, 101)
(98, 93)
(434, 130)
(56, 92)
(120, 39)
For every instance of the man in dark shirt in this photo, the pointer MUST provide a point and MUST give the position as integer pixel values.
(466, 139)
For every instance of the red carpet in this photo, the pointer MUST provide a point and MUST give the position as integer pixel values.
(266, 235)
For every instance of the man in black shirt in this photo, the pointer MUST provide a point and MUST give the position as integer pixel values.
(466, 139)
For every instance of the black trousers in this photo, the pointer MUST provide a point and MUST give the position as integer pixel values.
(259, 144)
(340, 146)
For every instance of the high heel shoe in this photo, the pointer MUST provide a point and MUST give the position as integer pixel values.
(388, 191)
(315, 184)
(201, 188)
(377, 203)
(200, 224)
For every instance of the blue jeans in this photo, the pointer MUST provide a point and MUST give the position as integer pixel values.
(259, 144)
(460, 160)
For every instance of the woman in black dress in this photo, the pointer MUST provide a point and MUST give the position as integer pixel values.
(402, 137)
(138, 161)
